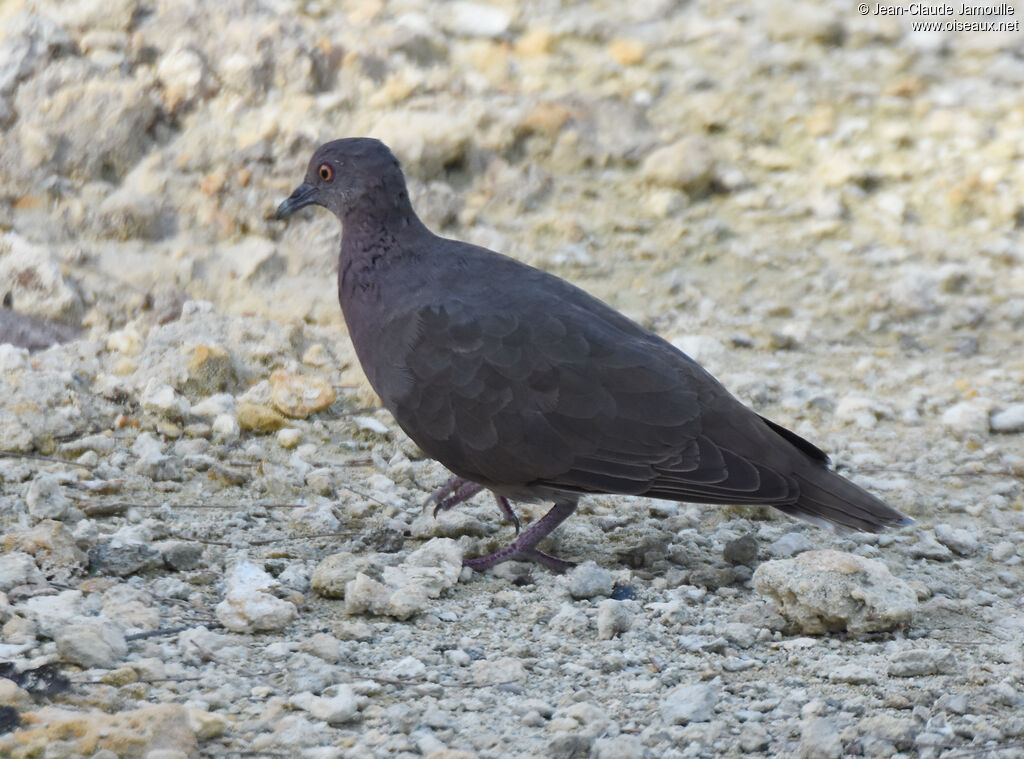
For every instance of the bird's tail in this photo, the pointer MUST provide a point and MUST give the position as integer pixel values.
(830, 498)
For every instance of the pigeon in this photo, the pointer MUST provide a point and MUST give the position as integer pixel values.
(525, 385)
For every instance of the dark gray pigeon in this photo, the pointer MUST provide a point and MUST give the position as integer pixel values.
(525, 385)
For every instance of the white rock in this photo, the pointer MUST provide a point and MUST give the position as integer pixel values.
(248, 604)
(790, 544)
(162, 400)
(17, 568)
(407, 668)
(819, 739)
(369, 424)
(289, 437)
(342, 707)
(12, 358)
(1010, 419)
(93, 643)
(53, 613)
(690, 703)
(833, 591)
(589, 580)
(45, 498)
(688, 164)
(364, 594)
(476, 19)
(968, 417)
(225, 428)
(214, 405)
(505, 669)
(957, 539)
(1004, 550)
(613, 617)
(33, 276)
(619, 747)
(916, 662)
(858, 409)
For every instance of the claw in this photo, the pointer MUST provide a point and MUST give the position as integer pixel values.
(524, 548)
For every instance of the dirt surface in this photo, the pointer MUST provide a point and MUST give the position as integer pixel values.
(212, 530)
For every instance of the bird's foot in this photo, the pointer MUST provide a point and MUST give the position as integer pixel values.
(524, 548)
(458, 489)
(454, 492)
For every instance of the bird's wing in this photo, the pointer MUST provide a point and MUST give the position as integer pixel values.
(566, 393)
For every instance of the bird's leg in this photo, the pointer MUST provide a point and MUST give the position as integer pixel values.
(458, 489)
(507, 510)
(454, 492)
(524, 548)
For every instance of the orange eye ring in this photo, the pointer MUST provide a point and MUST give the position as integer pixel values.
(326, 172)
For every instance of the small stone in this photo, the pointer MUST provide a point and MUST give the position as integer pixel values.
(1003, 551)
(494, 671)
(927, 547)
(754, 738)
(790, 544)
(91, 644)
(589, 580)
(258, 418)
(51, 545)
(17, 568)
(688, 165)
(613, 617)
(690, 703)
(407, 668)
(619, 747)
(211, 373)
(323, 646)
(741, 550)
(957, 539)
(627, 52)
(1009, 420)
(45, 498)
(337, 570)
(854, 674)
(819, 739)
(833, 591)
(342, 707)
(248, 604)
(917, 662)
(364, 594)
(161, 400)
(476, 19)
(181, 555)
(298, 395)
(289, 437)
(121, 558)
(968, 418)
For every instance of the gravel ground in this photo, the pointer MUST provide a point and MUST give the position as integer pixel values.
(215, 543)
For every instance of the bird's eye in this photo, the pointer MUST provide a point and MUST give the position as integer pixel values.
(326, 172)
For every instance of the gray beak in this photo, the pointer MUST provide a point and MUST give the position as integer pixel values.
(305, 194)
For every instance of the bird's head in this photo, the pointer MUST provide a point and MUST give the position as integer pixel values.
(348, 174)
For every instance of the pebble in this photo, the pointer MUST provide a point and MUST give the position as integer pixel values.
(91, 644)
(1003, 551)
(819, 739)
(916, 662)
(338, 709)
(17, 568)
(959, 540)
(297, 395)
(476, 19)
(589, 580)
(790, 544)
(741, 551)
(619, 747)
(1009, 420)
(968, 417)
(832, 591)
(690, 703)
(248, 604)
(123, 558)
(687, 164)
(45, 498)
(613, 618)
(927, 547)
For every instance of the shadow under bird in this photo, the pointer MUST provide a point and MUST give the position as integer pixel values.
(523, 384)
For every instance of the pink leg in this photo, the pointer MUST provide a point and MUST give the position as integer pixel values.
(457, 490)
(524, 548)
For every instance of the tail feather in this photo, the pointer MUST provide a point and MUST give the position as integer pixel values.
(830, 497)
